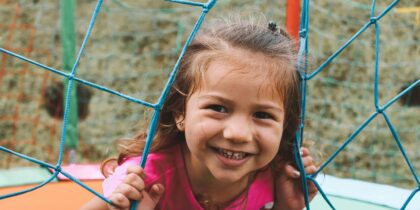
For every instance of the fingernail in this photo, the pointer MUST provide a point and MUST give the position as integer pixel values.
(301, 152)
(296, 174)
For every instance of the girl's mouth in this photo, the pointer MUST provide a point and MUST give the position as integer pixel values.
(231, 158)
(231, 154)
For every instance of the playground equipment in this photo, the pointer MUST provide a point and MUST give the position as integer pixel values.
(339, 100)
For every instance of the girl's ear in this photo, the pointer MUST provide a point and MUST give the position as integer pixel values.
(179, 119)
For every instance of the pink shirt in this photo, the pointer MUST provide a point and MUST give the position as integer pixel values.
(167, 167)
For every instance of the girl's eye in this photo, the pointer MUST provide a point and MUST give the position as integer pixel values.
(263, 115)
(217, 108)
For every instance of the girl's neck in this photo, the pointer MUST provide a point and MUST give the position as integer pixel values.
(207, 187)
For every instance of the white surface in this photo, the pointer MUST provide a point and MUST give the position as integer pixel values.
(370, 192)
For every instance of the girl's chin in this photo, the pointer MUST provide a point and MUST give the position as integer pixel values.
(229, 177)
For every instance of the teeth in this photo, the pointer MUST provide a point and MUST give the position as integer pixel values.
(232, 155)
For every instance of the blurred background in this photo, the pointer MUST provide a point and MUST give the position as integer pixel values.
(135, 44)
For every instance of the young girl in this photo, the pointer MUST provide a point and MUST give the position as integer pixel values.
(226, 132)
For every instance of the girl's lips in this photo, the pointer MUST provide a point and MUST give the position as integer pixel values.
(230, 161)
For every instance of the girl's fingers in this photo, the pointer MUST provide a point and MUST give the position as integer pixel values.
(291, 172)
(311, 169)
(136, 170)
(307, 161)
(128, 192)
(130, 189)
(151, 198)
(119, 201)
(294, 174)
(312, 190)
(304, 151)
(156, 191)
(135, 181)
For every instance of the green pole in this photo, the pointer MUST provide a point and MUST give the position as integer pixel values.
(68, 43)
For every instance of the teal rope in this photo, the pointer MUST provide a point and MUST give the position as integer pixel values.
(154, 122)
(313, 180)
(303, 51)
(71, 80)
(302, 59)
(400, 146)
(159, 104)
(191, 3)
(409, 198)
(68, 75)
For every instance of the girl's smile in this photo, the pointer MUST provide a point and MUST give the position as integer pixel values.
(231, 158)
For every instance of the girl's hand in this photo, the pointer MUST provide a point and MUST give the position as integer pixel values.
(133, 189)
(289, 193)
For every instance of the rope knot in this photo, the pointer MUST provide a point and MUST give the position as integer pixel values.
(302, 33)
(210, 5)
(373, 20)
(71, 77)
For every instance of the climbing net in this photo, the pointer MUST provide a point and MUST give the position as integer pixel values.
(306, 79)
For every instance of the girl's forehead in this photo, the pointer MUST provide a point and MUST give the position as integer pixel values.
(224, 68)
(232, 74)
(272, 73)
(245, 64)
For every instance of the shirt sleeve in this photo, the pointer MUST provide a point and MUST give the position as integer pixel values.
(116, 178)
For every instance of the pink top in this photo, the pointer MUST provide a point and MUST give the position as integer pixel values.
(167, 167)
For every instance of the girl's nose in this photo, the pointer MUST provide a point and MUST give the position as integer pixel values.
(238, 130)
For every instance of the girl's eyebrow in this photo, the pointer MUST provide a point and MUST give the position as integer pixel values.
(269, 106)
(261, 105)
(216, 97)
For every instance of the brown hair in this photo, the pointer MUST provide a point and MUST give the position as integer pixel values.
(220, 36)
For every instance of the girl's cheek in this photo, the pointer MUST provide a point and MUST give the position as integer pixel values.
(208, 127)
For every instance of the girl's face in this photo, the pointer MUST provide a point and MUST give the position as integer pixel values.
(233, 122)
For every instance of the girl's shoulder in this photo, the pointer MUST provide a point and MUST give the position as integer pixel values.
(157, 163)
(163, 162)
(161, 156)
